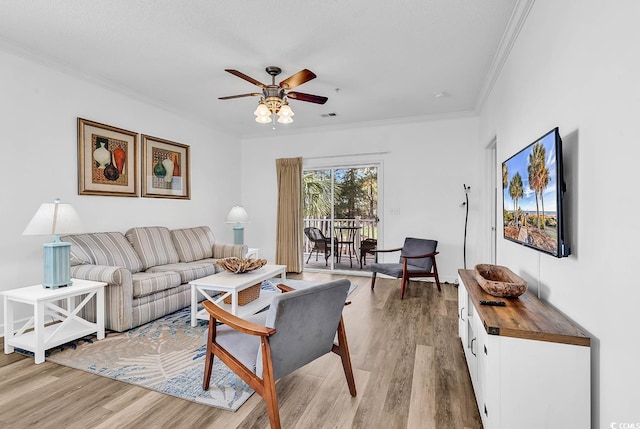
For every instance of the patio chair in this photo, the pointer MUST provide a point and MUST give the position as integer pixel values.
(417, 259)
(346, 238)
(320, 243)
(366, 247)
(299, 327)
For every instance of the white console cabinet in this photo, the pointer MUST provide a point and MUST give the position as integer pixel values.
(529, 364)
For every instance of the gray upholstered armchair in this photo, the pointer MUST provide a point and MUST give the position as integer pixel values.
(417, 259)
(299, 327)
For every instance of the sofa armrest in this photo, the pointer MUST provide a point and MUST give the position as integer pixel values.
(222, 250)
(118, 293)
(100, 273)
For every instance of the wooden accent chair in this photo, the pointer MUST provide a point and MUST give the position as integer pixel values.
(299, 327)
(417, 259)
(320, 243)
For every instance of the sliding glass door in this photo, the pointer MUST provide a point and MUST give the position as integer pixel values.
(340, 216)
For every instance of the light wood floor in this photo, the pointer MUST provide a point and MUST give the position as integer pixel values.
(407, 358)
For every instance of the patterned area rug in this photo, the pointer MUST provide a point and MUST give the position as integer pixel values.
(166, 355)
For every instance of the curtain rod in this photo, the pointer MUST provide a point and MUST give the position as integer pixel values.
(342, 156)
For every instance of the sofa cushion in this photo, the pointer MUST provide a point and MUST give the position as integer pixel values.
(193, 244)
(79, 256)
(222, 250)
(212, 261)
(153, 245)
(105, 248)
(147, 283)
(151, 307)
(188, 271)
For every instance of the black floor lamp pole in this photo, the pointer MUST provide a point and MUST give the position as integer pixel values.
(466, 219)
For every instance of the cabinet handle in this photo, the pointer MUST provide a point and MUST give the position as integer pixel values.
(472, 347)
(485, 350)
(485, 410)
(461, 313)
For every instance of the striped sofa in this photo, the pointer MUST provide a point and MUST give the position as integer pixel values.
(147, 269)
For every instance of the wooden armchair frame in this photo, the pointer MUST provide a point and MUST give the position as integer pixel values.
(265, 386)
(406, 275)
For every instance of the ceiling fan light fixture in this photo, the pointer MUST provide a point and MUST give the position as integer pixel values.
(285, 110)
(285, 119)
(273, 99)
(262, 110)
(273, 103)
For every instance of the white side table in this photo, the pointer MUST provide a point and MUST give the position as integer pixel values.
(70, 326)
(253, 252)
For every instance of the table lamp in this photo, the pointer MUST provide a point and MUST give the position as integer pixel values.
(238, 216)
(55, 219)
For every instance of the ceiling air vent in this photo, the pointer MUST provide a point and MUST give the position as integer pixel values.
(329, 115)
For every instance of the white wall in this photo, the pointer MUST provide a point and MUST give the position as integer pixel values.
(424, 165)
(575, 65)
(39, 107)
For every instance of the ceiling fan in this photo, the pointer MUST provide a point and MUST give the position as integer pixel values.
(273, 99)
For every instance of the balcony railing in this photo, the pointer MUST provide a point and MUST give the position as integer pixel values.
(366, 228)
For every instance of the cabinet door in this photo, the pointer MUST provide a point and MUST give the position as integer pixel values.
(467, 331)
(471, 349)
(462, 312)
(487, 393)
(553, 379)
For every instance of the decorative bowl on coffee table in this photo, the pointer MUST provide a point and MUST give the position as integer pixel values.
(238, 266)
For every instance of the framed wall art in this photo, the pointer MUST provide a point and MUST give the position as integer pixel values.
(107, 160)
(165, 169)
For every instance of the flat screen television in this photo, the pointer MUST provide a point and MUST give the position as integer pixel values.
(532, 192)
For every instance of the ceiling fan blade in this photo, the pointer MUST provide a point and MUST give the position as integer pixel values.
(229, 97)
(245, 77)
(297, 79)
(307, 97)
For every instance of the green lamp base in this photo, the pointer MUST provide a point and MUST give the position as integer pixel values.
(57, 265)
(238, 234)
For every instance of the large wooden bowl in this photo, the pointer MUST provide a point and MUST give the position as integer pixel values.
(237, 265)
(499, 281)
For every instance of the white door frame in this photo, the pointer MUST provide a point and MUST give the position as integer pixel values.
(331, 163)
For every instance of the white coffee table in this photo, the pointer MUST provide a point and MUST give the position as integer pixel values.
(70, 326)
(230, 284)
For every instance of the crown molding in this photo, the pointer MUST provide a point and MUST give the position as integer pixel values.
(509, 37)
(50, 62)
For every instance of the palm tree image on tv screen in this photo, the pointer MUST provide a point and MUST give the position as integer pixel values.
(530, 195)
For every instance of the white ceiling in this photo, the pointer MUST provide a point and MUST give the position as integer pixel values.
(388, 58)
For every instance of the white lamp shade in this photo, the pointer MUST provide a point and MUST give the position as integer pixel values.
(262, 110)
(285, 110)
(54, 219)
(238, 215)
(263, 119)
(285, 119)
